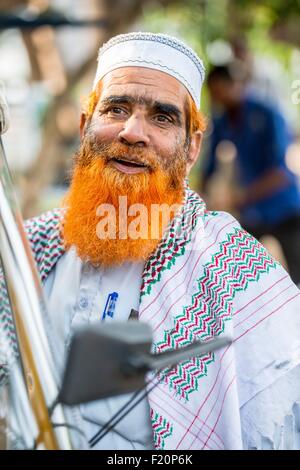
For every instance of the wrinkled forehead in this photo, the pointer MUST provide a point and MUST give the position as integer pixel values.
(146, 86)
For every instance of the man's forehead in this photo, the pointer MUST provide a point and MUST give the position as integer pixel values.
(145, 85)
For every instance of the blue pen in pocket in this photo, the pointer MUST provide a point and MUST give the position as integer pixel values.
(110, 305)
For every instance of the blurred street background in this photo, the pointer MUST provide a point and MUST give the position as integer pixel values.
(48, 51)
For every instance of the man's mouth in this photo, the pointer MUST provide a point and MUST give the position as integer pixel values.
(129, 166)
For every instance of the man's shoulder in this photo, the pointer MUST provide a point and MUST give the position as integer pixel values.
(44, 224)
(223, 230)
(229, 247)
(219, 228)
(212, 217)
(44, 235)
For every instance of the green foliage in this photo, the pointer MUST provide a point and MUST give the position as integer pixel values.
(202, 21)
(196, 21)
(277, 8)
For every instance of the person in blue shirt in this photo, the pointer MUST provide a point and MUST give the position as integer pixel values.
(269, 201)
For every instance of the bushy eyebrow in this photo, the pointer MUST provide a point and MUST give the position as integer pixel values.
(155, 106)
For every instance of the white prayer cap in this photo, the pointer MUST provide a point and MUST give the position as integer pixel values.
(154, 51)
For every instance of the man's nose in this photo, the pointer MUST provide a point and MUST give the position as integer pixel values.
(134, 132)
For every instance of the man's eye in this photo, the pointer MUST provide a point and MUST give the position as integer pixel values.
(116, 110)
(163, 118)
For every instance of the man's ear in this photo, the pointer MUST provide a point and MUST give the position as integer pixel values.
(82, 125)
(194, 150)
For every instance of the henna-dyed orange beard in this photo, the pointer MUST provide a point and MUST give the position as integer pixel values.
(95, 181)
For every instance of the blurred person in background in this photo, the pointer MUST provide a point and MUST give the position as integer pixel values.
(267, 195)
(196, 276)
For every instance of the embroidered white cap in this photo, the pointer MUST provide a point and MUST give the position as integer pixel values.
(154, 51)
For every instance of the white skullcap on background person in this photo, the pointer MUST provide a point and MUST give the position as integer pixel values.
(154, 51)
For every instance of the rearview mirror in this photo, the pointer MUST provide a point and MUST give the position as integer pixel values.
(97, 359)
(111, 359)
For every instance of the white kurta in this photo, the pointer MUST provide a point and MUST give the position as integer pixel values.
(82, 301)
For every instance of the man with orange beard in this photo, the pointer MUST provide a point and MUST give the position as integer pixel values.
(132, 234)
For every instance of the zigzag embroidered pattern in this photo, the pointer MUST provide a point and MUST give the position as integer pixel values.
(3, 374)
(6, 321)
(174, 244)
(240, 260)
(45, 240)
(162, 429)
